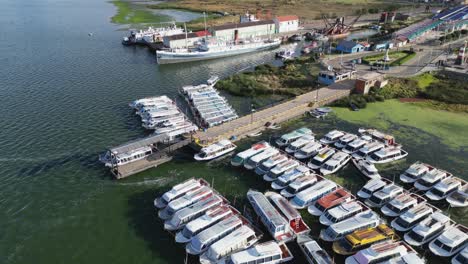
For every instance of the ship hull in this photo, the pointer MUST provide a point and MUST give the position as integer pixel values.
(169, 57)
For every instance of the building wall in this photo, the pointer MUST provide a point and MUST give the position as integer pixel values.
(287, 26)
(357, 48)
(245, 32)
(180, 43)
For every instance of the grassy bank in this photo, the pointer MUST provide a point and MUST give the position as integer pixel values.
(129, 13)
(397, 58)
(294, 78)
(447, 126)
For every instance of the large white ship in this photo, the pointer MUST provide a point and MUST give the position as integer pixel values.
(206, 51)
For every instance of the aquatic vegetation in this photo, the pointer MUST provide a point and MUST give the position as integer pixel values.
(128, 13)
(447, 126)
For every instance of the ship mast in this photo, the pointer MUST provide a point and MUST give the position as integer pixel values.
(185, 29)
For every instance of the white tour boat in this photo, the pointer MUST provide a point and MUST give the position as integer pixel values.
(462, 257)
(366, 168)
(215, 150)
(321, 157)
(270, 252)
(332, 137)
(210, 218)
(401, 204)
(345, 140)
(342, 212)
(383, 196)
(299, 143)
(183, 216)
(444, 188)
(387, 154)
(356, 144)
(313, 193)
(360, 221)
(183, 125)
(252, 151)
(372, 186)
(286, 139)
(368, 149)
(291, 214)
(299, 185)
(177, 191)
(450, 242)
(428, 229)
(276, 224)
(335, 163)
(459, 198)
(284, 180)
(139, 103)
(187, 199)
(309, 150)
(238, 240)
(374, 134)
(415, 171)
(254, 161)
(118, 159)
(387, 252)
(279, 169)
(329, 201)
(430, 179)
(270, 163)
(312, 251)
(413, 216)
(201, 242)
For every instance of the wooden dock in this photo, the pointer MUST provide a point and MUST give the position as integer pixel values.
(236, 129)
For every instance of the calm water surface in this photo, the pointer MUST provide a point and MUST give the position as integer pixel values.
(63, 100)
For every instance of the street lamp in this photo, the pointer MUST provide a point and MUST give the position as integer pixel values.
(252, 110)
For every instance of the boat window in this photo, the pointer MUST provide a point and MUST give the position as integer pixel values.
(415, 236)
(262, 260)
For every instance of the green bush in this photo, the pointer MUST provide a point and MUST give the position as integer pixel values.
(448, 91)
(400, 88)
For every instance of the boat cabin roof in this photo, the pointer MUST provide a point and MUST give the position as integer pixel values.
(371, 147)
(253, 150)
(420, 209)
(291, 174)
(217, 146)
(196, 207)
(334, 197)
(191, 196)
(225, 244)
(370, 235)
(325, 153)
(386, 248)
(345, 209)
(266, 208)
(348, 137)
(379, 135)
(264, 155)
(447, 184)
(312, 146)
(436, 219)
(388, 190)
(284, 206)
(266, 249)
(367, 165)
(434, 175)
(303, 180)
(315, 190)
(276, 159)
(357, 142)
(209, 216)
(417, 168)
(302, 140)
(356, 221)
(385, 152)
(181, 187)
(226, 224)
(334, 134)
(403, 200)
(337, 158)
(374, 184)
(453, 236)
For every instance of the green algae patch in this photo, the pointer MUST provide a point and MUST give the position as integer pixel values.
(128, 13)
(449, 127)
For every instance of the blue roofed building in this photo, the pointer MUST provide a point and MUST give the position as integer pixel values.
(453, 19)
(348, 46)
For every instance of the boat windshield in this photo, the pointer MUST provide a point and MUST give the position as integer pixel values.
(202, 154)
(415, 236)
(316, 162)
(376, 200)
(290, 190)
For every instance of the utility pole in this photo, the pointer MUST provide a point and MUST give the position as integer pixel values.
(252, 110)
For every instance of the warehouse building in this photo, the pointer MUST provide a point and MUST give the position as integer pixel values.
(246, 30)
(182, 40)
(286, 24)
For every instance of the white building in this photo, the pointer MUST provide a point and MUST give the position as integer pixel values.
(246, 30)
(286, 24)
(181, 40)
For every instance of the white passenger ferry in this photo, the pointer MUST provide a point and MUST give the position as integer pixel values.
(386, 252)
(413, 216)
(178, 190)
(462, 257)
(386, 139)
(430, 179)
(313, 193)
(288, 138)
(383, 196)
(450, 242)
(401, 204)
(299, 185)
(332, 137)
(210, 218)
(309, 150)
(368, 149)
(276, 224)
(428, 229)
(312, 251)
(356, 144)
(444, 188)
(296, 223)
(321, 157)
(329, 201)
(183, 216)
(284, 180)
(459, 198)
(299, 143)
(270, 163)
(215, 150)
(387, 154)
(342, 212)
(415, 171)
(279, 169)
(372, 186)
(238, 240)
(366, 168)
(111, 159)
(252, 151)
(139, 103)
(360, 221)
(269, 252)
(201, 242)
(254, 161)
(187, 199)
(335, 163)
(345, 140)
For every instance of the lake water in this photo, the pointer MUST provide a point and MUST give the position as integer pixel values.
(64, 97)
